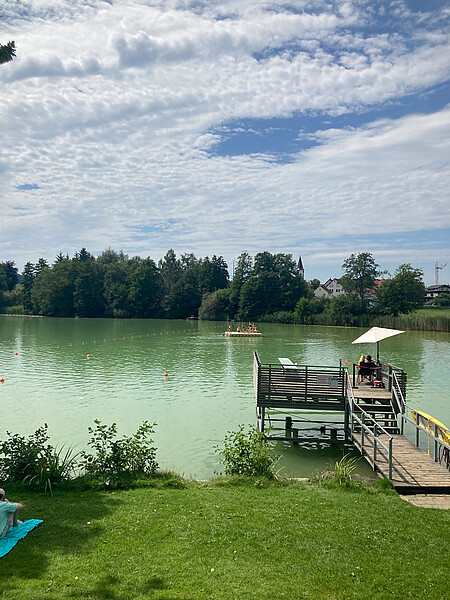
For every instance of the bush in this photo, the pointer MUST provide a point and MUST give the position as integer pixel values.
(19, 456)
(247, 453)
(116, 461)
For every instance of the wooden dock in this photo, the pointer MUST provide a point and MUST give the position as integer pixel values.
(374, 419)
(413, 471)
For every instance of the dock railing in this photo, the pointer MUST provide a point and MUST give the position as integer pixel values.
(439, 448)
(398, 399)
(370, 429)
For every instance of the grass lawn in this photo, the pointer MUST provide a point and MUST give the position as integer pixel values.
(226, 541)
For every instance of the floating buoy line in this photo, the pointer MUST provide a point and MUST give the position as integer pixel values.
(133, 337)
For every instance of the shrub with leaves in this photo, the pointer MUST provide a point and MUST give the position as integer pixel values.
(19, 455)
(129, 457)
(247, 453)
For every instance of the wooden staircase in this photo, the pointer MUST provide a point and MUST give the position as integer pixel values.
(382, 413)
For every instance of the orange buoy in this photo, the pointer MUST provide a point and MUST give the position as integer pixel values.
(166, 374)
(43, 348)
(57, 345)
(28, 349)
(70, 344)
(10, 351)
(2, 380)
(88, 356)
(16, 353)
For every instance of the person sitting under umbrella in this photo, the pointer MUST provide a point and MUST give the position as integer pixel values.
(366, 368)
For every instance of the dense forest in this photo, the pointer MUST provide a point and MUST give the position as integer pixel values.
(114, 285)
(264, 287)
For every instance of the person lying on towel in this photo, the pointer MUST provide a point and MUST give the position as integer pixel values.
(8, 514)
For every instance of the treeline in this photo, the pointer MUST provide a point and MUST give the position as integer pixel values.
(114, 285)
(266, 287)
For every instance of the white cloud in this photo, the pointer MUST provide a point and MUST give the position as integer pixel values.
(110, 109)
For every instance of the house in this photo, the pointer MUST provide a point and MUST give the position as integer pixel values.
(334, 286)
(435, 290)
(322, 292)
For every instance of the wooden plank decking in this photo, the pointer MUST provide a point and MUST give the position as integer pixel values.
(413, 471)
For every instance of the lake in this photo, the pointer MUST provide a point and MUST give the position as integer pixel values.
(208, 389)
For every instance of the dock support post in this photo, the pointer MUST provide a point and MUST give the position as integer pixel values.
(288, 423)
(263, 416)
(333, 436)
(295, 437)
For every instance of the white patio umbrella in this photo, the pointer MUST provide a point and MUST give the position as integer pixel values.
(375, 335)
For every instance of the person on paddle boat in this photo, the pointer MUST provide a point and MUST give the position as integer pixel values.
(8, 514)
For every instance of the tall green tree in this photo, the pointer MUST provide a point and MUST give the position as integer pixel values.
(7, 52)
(360, 272)
(88, 299)
(170, 270)
(28, 275)
(145, 288)
(242, 272)
(10, 275)
(52, 294)
(402, 294)
(274, 285)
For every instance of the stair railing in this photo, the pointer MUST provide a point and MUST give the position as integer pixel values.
(366, 430)
(397, 396)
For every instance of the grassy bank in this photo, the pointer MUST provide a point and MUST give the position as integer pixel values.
(226, 541)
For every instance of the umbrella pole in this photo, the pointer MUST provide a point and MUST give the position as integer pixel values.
(378, 352)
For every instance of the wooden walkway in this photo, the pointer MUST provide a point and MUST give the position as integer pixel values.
(413, 471)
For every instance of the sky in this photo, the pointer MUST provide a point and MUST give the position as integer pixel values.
(319, 128)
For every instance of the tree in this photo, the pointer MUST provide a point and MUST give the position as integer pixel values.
(10, 275)
(360, 272)
(307, 307)
(28, 275)
(241, 274)
(402, 294)
(88, 298)
(184, 299)
(314, 283)
(7, 52)
(53, 290)
(145, 288)
(274, 285)
(215, 306)
(212, 274)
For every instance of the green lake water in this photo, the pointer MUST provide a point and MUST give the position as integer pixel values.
(208, 390)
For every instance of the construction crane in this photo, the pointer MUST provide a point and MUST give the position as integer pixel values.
(437, 268)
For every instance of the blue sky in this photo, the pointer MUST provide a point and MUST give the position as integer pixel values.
(315, 127)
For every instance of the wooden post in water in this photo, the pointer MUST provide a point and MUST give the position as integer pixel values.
(333, 436)
(288, 425)
(295, 437)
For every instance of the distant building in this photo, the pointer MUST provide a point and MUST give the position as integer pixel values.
(435, 290)
(300, 268)
(322, 292)
(334, 286)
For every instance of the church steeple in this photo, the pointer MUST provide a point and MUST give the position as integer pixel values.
(300, 268)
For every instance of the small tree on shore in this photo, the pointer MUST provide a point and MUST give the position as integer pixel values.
(402, 294)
